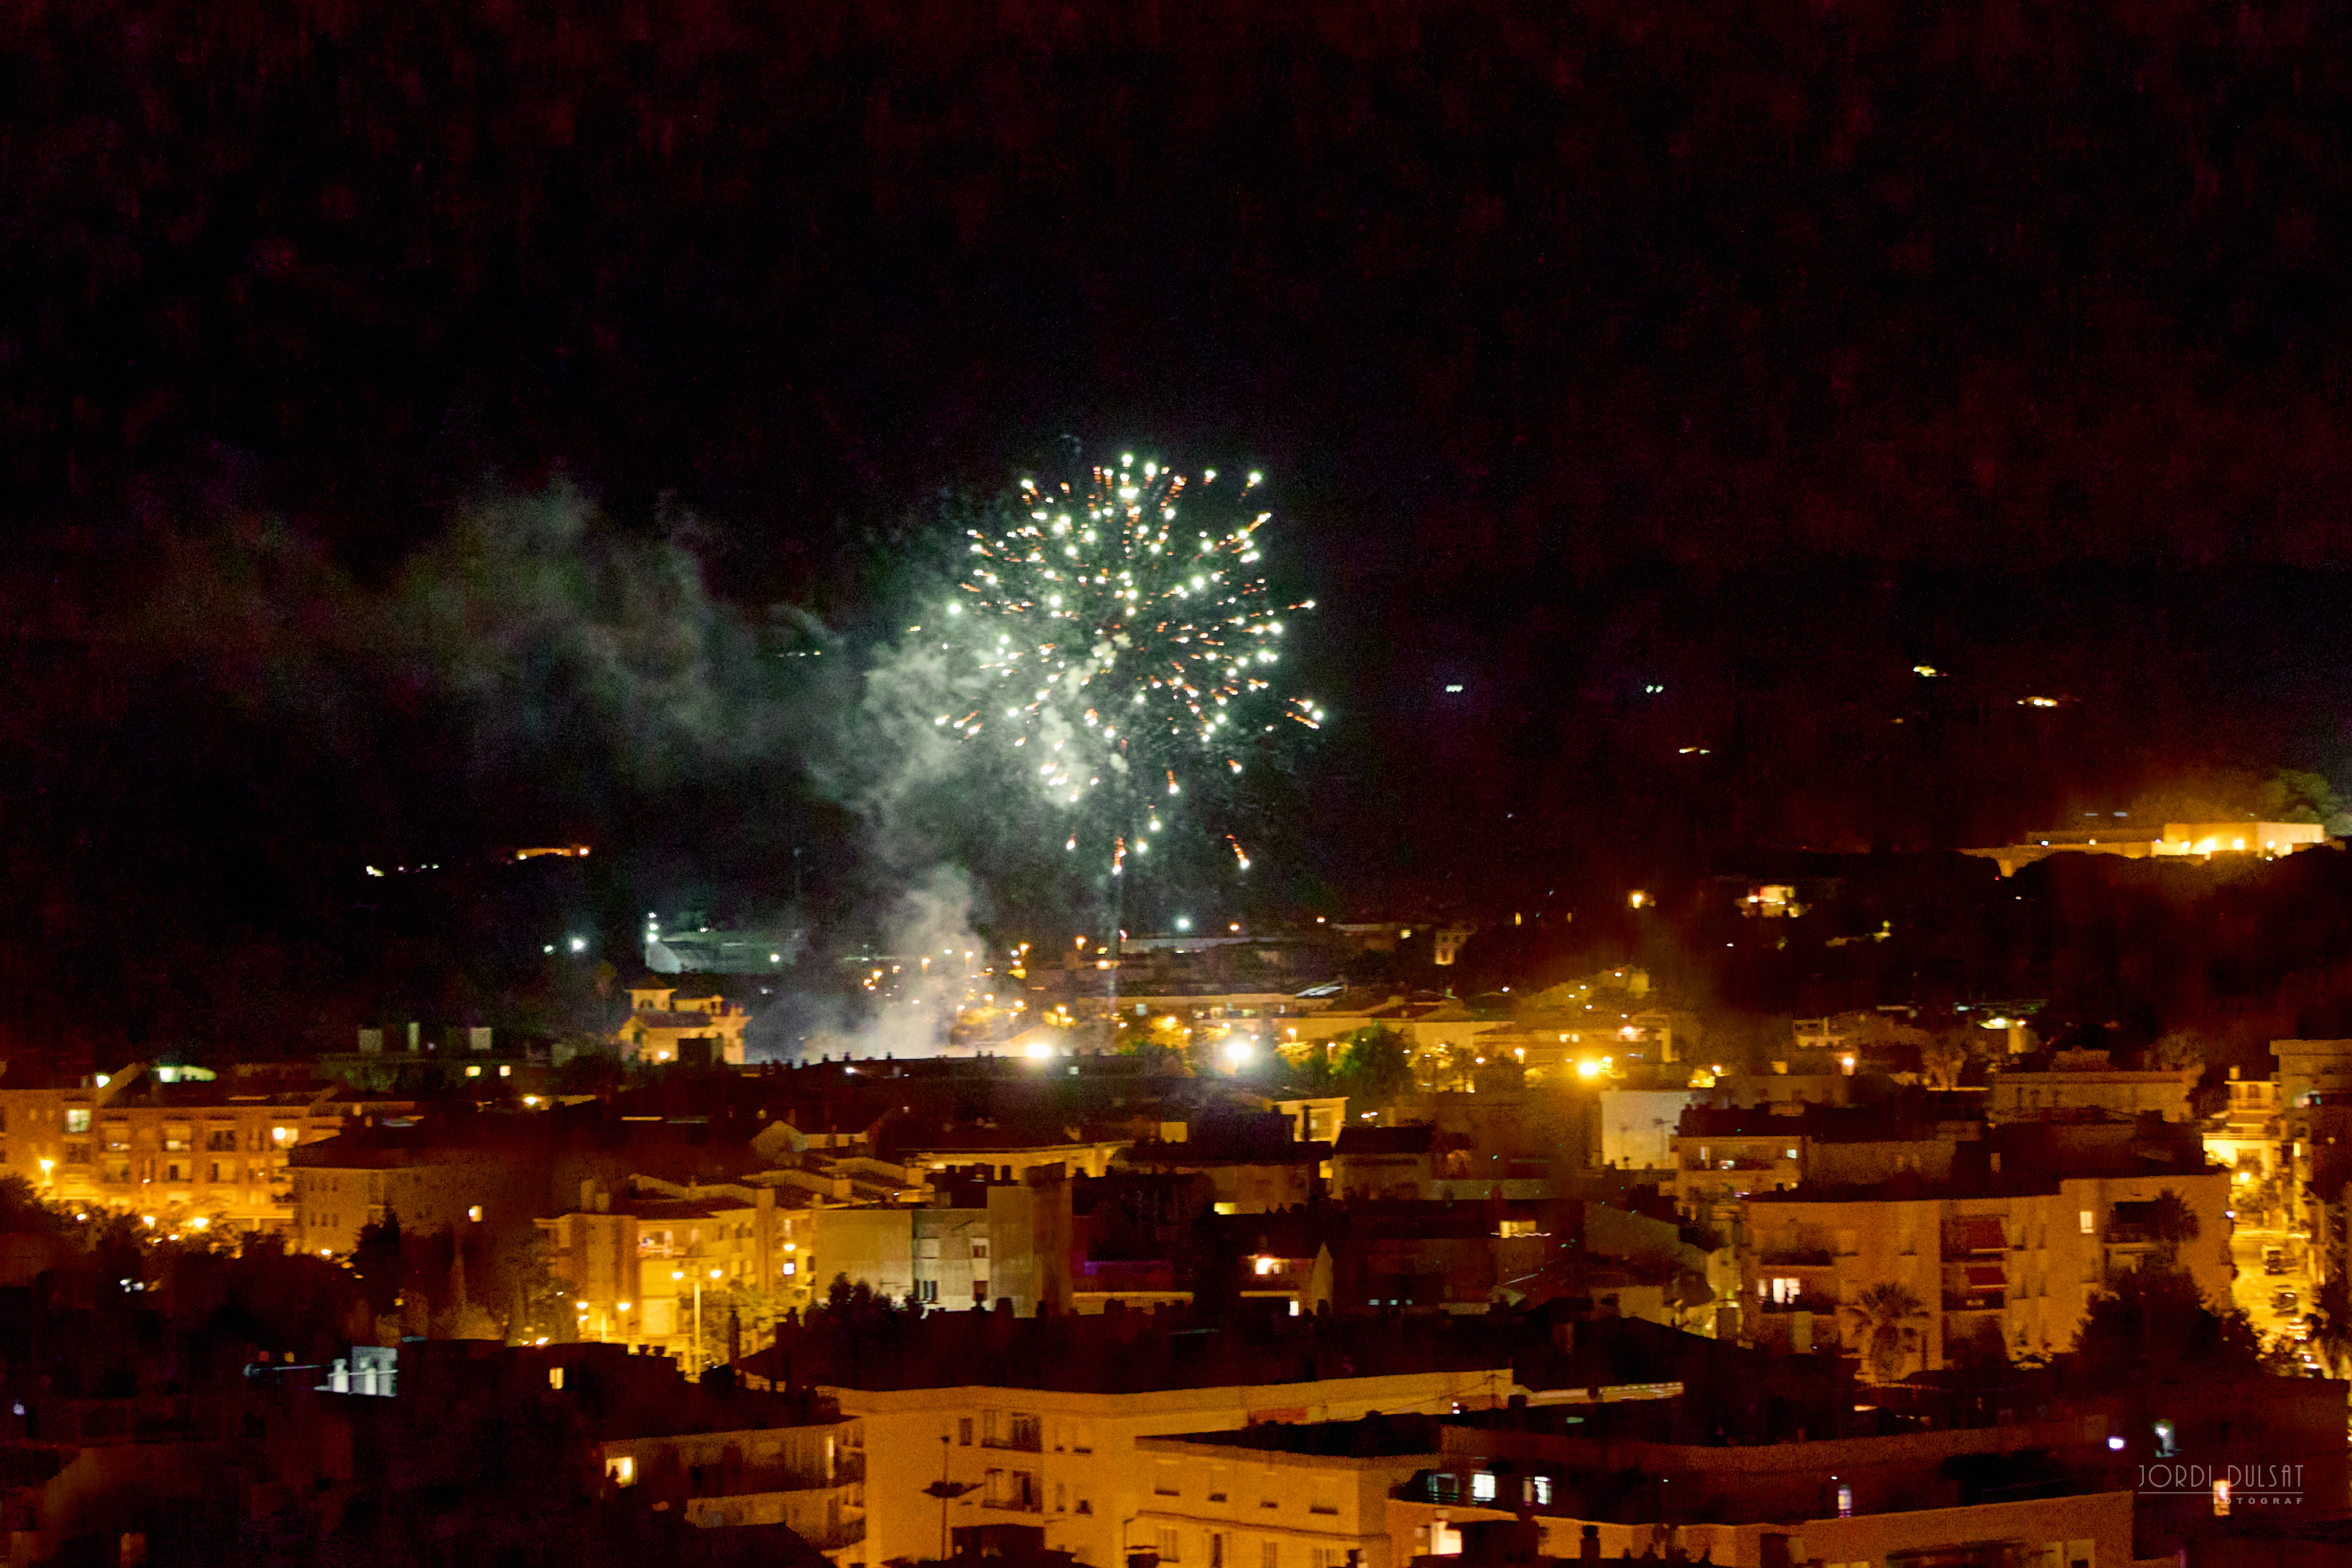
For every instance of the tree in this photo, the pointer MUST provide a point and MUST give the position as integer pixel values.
(2173, 1224)
(2154, 1319)
(22, 1212)
(379, 1262)
(1944, 1058)
(2177, 1051)
(1373, 1065)
(2331, 1327)
(1889, 1318)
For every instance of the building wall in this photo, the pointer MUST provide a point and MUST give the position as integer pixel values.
(620, 1255)
(2093, 1530)
(873, 1245)
(225, 1164)
(2013, 1096)
(1315, 1120)
(1093, 1158)
(2056, 1251)
(1637, 1126)
(2308, 1066)
(1029, 1245)
(1090, 1485)
(1219, 1506)
(331, 1203)
(34, 1137)
(810, 1478)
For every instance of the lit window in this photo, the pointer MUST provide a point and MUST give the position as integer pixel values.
(475, 1213)
(623, 1468)
(2090, 1220)
(473, 1072)
(1482, 1487)
(506, 1070)
(1539, 1490)
(555, 1377)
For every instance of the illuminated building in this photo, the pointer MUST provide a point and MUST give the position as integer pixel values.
(2082, 1081)
(159, 1141)
(1037, 1422)
(2178, 840)
(632, 1261)
(681, 1020)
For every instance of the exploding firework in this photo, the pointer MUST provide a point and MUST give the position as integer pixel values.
(1121, 633)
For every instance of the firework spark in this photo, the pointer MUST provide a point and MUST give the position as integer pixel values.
(1123, 627)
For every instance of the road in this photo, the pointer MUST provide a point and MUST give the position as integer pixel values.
(2255, 1290)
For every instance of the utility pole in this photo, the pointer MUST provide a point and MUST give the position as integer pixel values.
(945, 1490)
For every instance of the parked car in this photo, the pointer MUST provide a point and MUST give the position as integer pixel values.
(2273, 1260)
(2285, 1300)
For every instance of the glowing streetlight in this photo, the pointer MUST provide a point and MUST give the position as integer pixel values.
(715, 1275)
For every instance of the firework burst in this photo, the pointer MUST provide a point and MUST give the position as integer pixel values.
(1119, 633)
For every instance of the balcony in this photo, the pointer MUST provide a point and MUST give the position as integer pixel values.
(1022, 1434)
(1815, 1302)
(1016, 1493)
(1990, 1301)
(837, 1533)
(1798, 1258)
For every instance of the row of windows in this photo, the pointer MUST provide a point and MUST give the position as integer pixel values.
(1324, 1499)
(1027, 1430)
(1486, 1486)
(1218, 1550)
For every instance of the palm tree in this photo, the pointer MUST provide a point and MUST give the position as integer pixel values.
(1889, 1318)
(2172, 1222)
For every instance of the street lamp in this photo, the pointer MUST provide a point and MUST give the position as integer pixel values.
(696, 1364)
(945, 1490)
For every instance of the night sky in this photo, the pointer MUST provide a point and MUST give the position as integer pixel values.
(1759, 356)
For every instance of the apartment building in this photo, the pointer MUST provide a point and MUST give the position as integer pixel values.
(673, 1018)
(981, 1240)
(186, 1150)
(642, 1265)
(2020, 1259)
(1280, 1494)
(1253, 1165)
(2084, 1081)
(1065, 1462)
(339, 1188)
(1034, 1423)
(1720, 1157)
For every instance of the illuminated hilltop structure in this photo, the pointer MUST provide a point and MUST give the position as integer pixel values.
(2201, 839)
